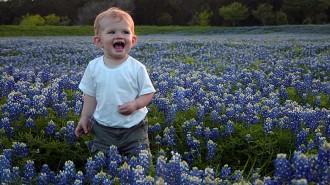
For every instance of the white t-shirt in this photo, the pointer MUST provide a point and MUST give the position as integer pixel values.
(115, 86)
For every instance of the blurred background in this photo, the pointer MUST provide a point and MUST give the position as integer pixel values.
(168, 12)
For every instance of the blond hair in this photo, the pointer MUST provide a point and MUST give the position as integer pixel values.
(114, 13)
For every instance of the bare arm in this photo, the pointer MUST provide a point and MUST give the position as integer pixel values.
(130, 107)
(88, 110)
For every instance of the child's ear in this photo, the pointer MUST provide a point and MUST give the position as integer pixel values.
(134, 39)
(98, 42)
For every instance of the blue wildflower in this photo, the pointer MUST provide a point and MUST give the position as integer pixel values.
(283, 170)
(29, 171)
(29, 123)
(126, 174)
(70, 136)
(225, 172)
(169, 136)
(51, 128)
(20, 149)
(90, 168)
(211, 150)
(100, 160)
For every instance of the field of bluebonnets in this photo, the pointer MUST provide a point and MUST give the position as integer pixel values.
(228, 109)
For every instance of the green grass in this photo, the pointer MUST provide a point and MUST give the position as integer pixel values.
(18, 31)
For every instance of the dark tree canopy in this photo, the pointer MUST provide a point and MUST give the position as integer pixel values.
(170, 12)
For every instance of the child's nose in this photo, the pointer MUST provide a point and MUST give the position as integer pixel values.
(119, 35)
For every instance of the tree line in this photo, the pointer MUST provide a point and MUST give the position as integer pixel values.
(171, 12)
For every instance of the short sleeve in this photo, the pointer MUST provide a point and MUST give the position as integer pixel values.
(87, 83)
(145, 84)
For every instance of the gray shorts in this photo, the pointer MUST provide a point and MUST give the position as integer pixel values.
(127, 140)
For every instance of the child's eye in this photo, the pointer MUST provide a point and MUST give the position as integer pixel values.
(111, 32)
(126, 32)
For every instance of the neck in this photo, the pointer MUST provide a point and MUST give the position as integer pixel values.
(113, 61)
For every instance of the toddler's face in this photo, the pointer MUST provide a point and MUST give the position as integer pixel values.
(116, 37)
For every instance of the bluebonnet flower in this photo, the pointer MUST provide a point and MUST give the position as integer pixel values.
(100, 160)
(323, 162)
(9, 154)
(114, 160)
(207, 134)
(195, 172)
(70, 136)
(299, 182)
(100, 178)
(155, 128)
(211, 149)
(62, 109)
(5, 124)
(268, 125)
(161, 167)
(5, 165)
(77, 108)
(80, 177)
(169, 136)
(237, 177)
(51, 128)
(29, 171)
(42, 178)
(62, 178)
(29, 123)
(302, 137)
(186, 126)
(144, 159)
(283, 170)
(225, 172)
(158, 140)
(229, 128)
(70, 170)
(214, 116)
(50, 176)
(148, 180)
(126, 174)
(6, 177)
(90, 168)
(200, 113)
(199, 130)
(139, 173)
(302, 166)
(173, 170)
(20, 149)
(215, 134)
(283, 93)
(171, 113)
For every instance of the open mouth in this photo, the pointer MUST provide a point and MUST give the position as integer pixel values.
(119, 45)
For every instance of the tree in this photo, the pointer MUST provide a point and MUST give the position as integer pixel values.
(52, 19)
(87, 14)
(32, 20)
(308, 11)
(204, 18)
(264, 13)
(234, 12)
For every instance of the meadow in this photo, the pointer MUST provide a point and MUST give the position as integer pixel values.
(229, 109)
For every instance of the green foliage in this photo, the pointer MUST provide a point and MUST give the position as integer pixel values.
(32, 20)
(16, 31)
(234, 12)
(281, 18)
(165, 19)
(264, 13)
(52, 20)
(204, 18)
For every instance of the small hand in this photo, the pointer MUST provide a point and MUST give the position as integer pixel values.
(83, 127)
(127, 108)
